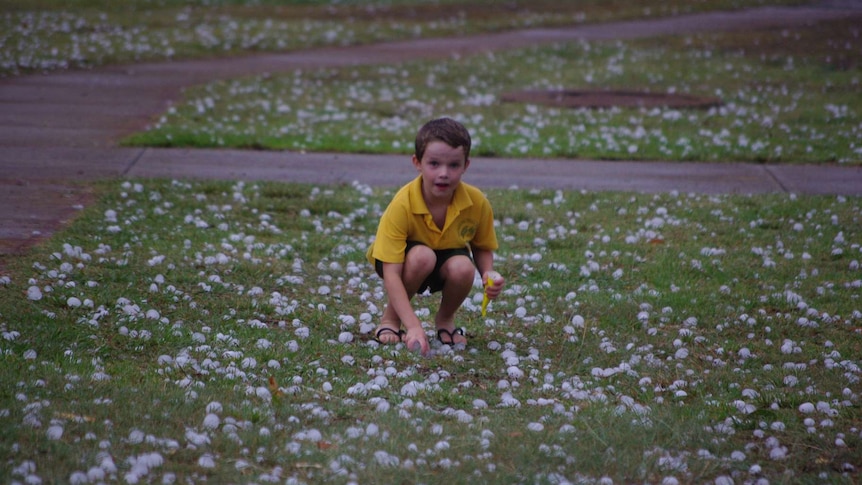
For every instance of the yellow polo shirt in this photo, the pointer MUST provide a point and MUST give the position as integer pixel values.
(469, 223)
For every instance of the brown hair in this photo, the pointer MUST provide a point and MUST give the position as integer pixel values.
(446, 130)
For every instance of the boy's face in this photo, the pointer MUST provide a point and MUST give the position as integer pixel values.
(441, 168)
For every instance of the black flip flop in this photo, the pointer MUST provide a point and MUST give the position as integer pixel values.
(451, 335)
(381, 330)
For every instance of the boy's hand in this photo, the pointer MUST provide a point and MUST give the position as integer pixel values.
(416, 340)
(495, 287)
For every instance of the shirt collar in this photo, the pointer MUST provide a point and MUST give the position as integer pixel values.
(460, 201)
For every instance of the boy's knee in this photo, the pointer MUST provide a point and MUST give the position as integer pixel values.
(459, 268)
(420, 258)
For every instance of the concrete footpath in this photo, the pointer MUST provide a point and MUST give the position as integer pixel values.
(58, 132)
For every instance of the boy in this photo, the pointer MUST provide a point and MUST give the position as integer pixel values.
(427, 235)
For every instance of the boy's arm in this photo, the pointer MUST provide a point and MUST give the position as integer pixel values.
(400, 302)
(484, 260)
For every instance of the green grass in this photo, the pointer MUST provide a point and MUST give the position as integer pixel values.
(789, 96)
(709, 324)
(48, 35)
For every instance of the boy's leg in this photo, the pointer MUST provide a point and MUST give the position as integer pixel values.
(418, 264)
(457, 273)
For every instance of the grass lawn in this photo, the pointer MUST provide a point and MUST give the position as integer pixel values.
(189, 332)
(789, 96)
(182, 332)
(47, 35)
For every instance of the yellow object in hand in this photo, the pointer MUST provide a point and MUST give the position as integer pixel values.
(485, 299)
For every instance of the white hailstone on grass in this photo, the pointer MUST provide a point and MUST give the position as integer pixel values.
(107, 463)
(385, 459)
(206, 461)
(197, 439)
(410, 389)
(55, 432)
(153, 314)
(514, 372)
(214, 407)
(78, 478)
(724, 480)
(263, 393)
(347, 320)
(302, 332)
(34, 293)
(136, 437)
(345, 337)
(382, 406)
(508, 400)
(30, 354)
(778, 453)
(823, 407)
(806, 408)
(536, 427)
(578, 321)
(479, 404)
(263, 343)
(73, 302)
(324, 290)
(211, 421)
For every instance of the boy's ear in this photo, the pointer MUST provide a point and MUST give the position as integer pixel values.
(416, 162)
(466, 163)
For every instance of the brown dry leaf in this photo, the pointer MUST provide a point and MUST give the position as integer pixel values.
(273, 387)
(324, 445)
(656, 241)
(75, 417)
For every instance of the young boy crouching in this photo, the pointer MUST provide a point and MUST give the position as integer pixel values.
(434, 235)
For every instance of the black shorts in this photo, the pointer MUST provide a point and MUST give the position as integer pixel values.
(433, 282)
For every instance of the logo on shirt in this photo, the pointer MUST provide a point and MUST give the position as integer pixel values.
(467, 230)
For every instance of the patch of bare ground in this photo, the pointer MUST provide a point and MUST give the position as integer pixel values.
(30, 220)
